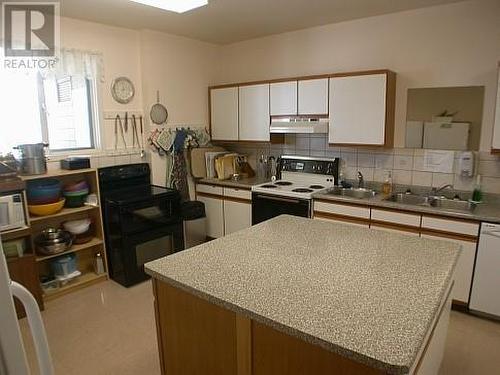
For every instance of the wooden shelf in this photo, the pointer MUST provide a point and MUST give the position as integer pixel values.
(80, 282)
(74, 249)
(62, 213)
(58, 173)
(15, 233)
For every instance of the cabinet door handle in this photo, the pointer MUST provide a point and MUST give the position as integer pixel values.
(288, 200)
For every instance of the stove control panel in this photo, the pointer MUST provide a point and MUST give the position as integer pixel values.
(311, 165)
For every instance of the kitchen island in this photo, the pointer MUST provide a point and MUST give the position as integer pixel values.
(299, 296)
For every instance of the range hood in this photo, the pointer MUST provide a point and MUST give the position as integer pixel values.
(296, 125)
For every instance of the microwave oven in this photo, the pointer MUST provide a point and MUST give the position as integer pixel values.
(12, 215)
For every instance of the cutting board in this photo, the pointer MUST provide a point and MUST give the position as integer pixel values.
(198, 167)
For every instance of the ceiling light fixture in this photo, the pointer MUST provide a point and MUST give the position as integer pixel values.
(178, 6)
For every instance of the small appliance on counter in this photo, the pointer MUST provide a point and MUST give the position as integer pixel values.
(76, 162)
(32, 158)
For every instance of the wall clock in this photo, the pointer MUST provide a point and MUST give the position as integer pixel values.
(122, 90)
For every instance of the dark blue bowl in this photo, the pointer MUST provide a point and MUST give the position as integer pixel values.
(43, 191)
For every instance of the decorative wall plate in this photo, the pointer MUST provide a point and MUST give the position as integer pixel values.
(122, 90)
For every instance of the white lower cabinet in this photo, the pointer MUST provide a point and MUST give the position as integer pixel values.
(237, 216)
(214, 209)
(464, 268)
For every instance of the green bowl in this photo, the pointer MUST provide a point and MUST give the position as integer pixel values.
(75, 201)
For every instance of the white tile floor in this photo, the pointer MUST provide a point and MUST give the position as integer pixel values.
(108, 329)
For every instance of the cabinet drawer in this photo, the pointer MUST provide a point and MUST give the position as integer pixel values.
(451, 226)
(343, 209)
(341, 221)
(388, 228)
(238, 193)
(394, 217)
(209, 189)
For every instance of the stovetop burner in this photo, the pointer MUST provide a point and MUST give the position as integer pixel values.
(302, 190)
(316, 187)
(283, 183)
(269, 186)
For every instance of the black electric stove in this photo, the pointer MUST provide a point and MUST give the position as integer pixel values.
(142, 222)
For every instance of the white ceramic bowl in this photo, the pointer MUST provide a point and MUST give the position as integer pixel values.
(77, 226)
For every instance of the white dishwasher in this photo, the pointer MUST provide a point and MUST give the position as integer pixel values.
(485, 295)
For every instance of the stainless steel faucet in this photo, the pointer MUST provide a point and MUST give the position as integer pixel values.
(361, 180)
(435, 191)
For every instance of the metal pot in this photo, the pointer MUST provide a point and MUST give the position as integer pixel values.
(33, 160)
(53, 241)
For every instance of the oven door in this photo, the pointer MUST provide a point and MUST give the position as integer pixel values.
(147, 215)
(128, 254)
(265, 207)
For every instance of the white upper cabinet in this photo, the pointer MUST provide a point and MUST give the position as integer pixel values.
(313, 97)
(358, 110)
(283, 98)
(496, 130)
(254, 116)
(224, 113)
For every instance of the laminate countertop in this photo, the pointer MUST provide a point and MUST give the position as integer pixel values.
(368, 295)
(486, 211)
(244, 183)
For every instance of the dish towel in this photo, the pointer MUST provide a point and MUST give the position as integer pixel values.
(178, 178)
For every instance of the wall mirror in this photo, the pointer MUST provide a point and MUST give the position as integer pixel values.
(444, 118)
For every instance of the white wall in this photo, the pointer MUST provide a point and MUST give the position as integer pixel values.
(181, 69)
(450, 45)
(121, 56)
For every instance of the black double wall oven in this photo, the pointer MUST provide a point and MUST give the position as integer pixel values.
(142, 222)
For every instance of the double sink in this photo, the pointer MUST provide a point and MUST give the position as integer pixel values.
(408, 198)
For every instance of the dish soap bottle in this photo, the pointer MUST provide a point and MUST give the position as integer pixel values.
(387, 185)
(477, 194)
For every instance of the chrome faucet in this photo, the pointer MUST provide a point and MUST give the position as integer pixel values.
(361, 180)
(435, 191)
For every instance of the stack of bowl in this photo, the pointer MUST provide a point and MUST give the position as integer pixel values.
(53, 241)
(80, 229)
(44, 196)
(76, 193)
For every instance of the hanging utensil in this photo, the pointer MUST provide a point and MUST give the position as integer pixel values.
(135, 135)
(142, 137)
(119, 124)
(116, 130)
(125, 126)
(158, 113)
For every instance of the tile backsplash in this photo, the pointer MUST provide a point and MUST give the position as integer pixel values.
(407, 165)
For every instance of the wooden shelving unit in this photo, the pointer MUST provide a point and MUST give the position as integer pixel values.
(15, 233)
(61, 214)
(74, 249)
(80, 282)
(85, 253)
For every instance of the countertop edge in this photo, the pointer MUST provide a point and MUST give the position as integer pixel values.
(374, 202)
(357, 357)
(247, 184)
